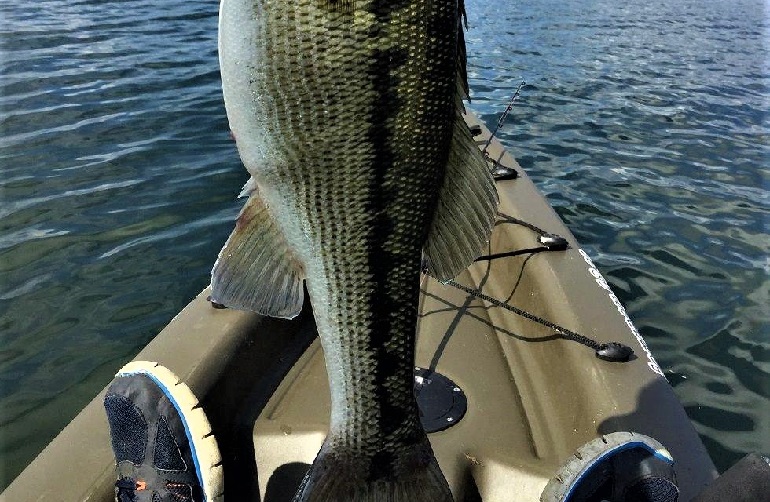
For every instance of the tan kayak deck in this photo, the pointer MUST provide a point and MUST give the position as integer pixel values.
(533, 398)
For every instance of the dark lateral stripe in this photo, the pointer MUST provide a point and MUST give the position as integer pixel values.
(384, 327)
(393, 312)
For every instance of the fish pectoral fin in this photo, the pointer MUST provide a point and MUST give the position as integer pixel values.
(256, 269)
(466, 211)
(467, 204)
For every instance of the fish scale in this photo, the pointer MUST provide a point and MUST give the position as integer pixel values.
(325, 99)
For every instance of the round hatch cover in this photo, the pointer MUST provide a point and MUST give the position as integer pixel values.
(442, 403)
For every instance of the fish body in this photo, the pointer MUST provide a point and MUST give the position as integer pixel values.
(347, 115)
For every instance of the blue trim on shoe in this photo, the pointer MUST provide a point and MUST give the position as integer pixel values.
(659, 454)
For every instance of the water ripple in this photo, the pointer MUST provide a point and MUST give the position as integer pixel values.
(15, 206)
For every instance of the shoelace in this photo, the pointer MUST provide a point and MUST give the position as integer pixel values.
(127, 488)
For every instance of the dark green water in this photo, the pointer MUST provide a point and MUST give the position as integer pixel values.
(645, 124)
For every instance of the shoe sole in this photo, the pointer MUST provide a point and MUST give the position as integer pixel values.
(205, 452)
(592, 453)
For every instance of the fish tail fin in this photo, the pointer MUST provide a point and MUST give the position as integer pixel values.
(328, 480)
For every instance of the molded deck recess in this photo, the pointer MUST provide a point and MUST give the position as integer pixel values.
(442, 402)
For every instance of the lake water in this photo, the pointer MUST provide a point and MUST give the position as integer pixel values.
(645, 124)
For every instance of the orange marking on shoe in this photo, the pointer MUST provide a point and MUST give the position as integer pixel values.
(141, 485)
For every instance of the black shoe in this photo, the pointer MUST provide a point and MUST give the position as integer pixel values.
(164, 448)
(617, 467)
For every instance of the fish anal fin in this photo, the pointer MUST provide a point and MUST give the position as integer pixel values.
(256, 269)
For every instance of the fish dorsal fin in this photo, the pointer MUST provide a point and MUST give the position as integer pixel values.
(462, 56)
(466, 210)
(256, 269)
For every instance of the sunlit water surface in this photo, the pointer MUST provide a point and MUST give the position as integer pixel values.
(645, 124)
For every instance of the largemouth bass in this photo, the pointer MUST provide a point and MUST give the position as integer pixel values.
(348, 116)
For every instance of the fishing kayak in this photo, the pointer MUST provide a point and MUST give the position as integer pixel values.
(520, 361)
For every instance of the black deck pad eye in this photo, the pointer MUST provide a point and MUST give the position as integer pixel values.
(614, 352)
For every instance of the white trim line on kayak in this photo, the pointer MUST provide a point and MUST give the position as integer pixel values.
(602, 282)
